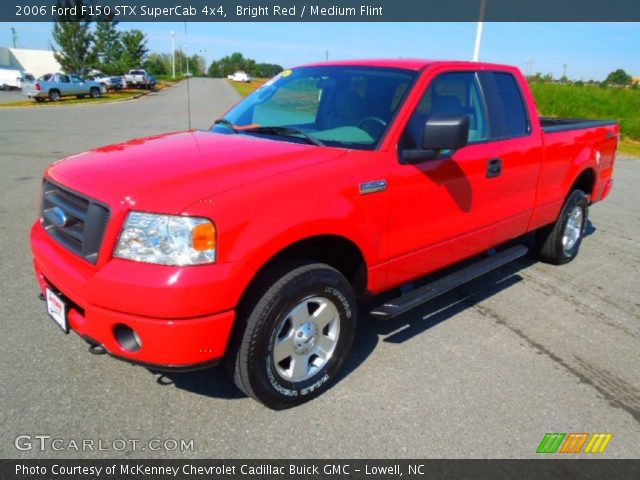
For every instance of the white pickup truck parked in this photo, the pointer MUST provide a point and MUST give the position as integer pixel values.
(138, 78)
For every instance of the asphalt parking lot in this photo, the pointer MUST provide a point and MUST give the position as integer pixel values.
(482, 372)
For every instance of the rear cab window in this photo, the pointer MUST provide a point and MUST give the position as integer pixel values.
(508, 113)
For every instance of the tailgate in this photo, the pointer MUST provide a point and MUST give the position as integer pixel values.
(29, 89)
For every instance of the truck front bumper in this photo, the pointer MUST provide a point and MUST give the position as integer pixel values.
(184, 338)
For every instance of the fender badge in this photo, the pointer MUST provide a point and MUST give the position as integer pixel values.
(372, 187)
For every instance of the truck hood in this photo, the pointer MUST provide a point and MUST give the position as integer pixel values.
(167, 173)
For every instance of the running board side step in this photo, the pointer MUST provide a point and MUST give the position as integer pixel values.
(417, 297)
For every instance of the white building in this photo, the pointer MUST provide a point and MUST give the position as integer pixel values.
(35, 62)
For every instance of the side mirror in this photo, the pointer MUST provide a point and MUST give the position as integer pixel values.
(441, 132)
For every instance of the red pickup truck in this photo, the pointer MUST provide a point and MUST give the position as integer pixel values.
(252, 241)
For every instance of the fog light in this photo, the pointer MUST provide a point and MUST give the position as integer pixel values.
(127, 338)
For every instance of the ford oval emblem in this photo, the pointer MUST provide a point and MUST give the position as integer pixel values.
(57, 216)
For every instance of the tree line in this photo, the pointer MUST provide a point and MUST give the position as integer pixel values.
(617, 78)
(80, 47)
(236, 61)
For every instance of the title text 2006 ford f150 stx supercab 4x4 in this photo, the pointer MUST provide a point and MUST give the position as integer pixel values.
(336, 181)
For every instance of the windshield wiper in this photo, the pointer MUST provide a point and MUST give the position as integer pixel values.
(226, 123)
(285, 131)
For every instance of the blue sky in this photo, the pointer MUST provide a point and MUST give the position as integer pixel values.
(590, 50)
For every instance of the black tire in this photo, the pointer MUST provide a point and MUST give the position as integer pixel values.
(555, 246)
(95, 92)
(54, 95)
(264, 315)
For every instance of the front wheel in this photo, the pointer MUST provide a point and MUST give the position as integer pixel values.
(560, 242)
(296, 335)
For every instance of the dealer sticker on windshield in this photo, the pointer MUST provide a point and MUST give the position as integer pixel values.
(57, 310)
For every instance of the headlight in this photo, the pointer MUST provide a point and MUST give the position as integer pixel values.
(167, 239)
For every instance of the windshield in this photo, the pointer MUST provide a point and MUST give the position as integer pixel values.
(344, 106)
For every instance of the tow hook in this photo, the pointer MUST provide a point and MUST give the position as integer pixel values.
(96, 349)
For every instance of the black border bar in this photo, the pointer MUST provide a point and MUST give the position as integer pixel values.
(321, 469)
(310, 10)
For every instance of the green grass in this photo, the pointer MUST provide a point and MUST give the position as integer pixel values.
(629, 147)
(246, 89)
(107, 97)
(620, 104)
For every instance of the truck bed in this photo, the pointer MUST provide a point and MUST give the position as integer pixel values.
(558, 124)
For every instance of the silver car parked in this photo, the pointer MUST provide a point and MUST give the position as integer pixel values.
(54, 86)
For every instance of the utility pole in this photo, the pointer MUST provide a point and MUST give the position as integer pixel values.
(14, 36)
(476, 50)
(326, 55)
(173, 53)
(186, 54)
(564, 74)
(529, 65)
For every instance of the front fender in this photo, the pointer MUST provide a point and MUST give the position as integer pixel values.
(257, 221)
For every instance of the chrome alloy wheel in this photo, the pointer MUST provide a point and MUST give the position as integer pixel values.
(306, 338)
(573, 229)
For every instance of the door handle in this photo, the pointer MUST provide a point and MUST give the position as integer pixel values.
(494, 167)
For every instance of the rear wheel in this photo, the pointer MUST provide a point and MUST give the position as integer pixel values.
(560, 242)
(94, 92)
(296, 335)
(54, 95)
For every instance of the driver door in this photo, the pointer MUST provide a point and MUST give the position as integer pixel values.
(441, 209)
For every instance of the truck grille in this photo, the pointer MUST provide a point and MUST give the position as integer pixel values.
(76, 222)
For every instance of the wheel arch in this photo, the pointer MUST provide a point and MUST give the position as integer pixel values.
(585, 181)
(334, 250)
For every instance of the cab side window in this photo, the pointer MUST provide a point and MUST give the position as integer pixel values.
(455, 93)
(509, 113)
